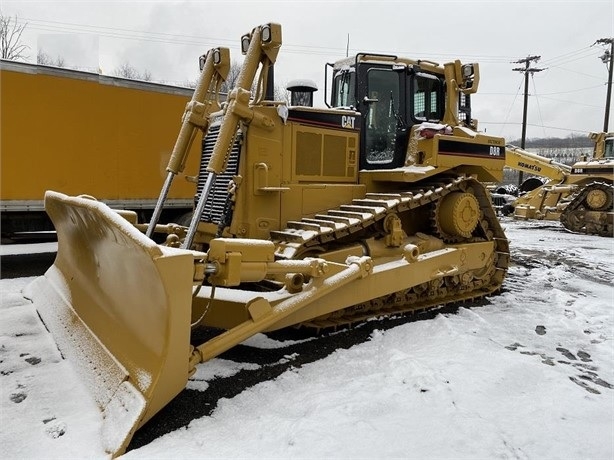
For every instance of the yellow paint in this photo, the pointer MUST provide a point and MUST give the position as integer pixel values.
(76, 133)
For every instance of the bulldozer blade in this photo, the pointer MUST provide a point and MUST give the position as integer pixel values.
(119, 309)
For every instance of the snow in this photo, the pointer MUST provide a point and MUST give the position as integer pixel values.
(302, 83)
(530, 374)
(411, 169)
(40, 417)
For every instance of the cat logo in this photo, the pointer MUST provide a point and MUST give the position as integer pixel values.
(347, 122)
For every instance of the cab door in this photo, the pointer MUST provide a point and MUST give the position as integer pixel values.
(381, 96)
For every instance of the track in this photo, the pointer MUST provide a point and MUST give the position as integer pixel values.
(364, 218)
(590, 210)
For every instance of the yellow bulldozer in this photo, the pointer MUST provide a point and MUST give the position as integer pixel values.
(542, 171)
(303, 217)
(580, 196)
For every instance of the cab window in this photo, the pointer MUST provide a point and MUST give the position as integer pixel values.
(608, 151)
(344, 84)
(426, 92)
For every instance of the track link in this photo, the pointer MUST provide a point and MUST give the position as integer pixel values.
(362, 219)
(580, 217)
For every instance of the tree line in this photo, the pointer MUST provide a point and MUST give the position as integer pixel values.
(574, 140)
(12, 49)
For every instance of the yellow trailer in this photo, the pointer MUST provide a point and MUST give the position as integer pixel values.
(70, 130)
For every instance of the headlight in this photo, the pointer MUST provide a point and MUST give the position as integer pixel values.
(467, 70)
(245, 40)
(266, 33)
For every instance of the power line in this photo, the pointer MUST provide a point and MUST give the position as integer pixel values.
(569, 61)
(482, 122)
(572, 102)
(509, 111)
(159, 37)
(575, 72)
(200, 41)
(484, 93)
(539, 110)
(572, 56)
(117, 32)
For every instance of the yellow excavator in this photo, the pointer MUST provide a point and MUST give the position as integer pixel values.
(303, 217)
(579, 196)
(530, 205)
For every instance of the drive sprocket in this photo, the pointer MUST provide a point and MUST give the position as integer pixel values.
(456, 216)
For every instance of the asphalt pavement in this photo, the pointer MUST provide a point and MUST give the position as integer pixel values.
(23, 265)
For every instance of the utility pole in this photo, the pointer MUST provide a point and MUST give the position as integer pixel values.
(528, 70)
(607, 59)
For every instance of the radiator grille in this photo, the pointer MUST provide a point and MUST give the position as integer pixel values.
(216, 201)
(322, 155)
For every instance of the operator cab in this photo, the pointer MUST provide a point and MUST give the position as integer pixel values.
(608, 148)
(392, 95)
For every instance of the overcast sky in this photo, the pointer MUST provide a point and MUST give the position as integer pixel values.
(166, 38)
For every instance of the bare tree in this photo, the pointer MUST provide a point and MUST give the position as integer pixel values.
(43, 58)
(10, 39)
(233, 75)
(281, 93)
(126, 70)
(231, 79)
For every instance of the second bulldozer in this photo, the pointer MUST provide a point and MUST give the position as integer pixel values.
(580, 196)
(303, 216)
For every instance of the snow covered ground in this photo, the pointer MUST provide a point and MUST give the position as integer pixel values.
(528, 375)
